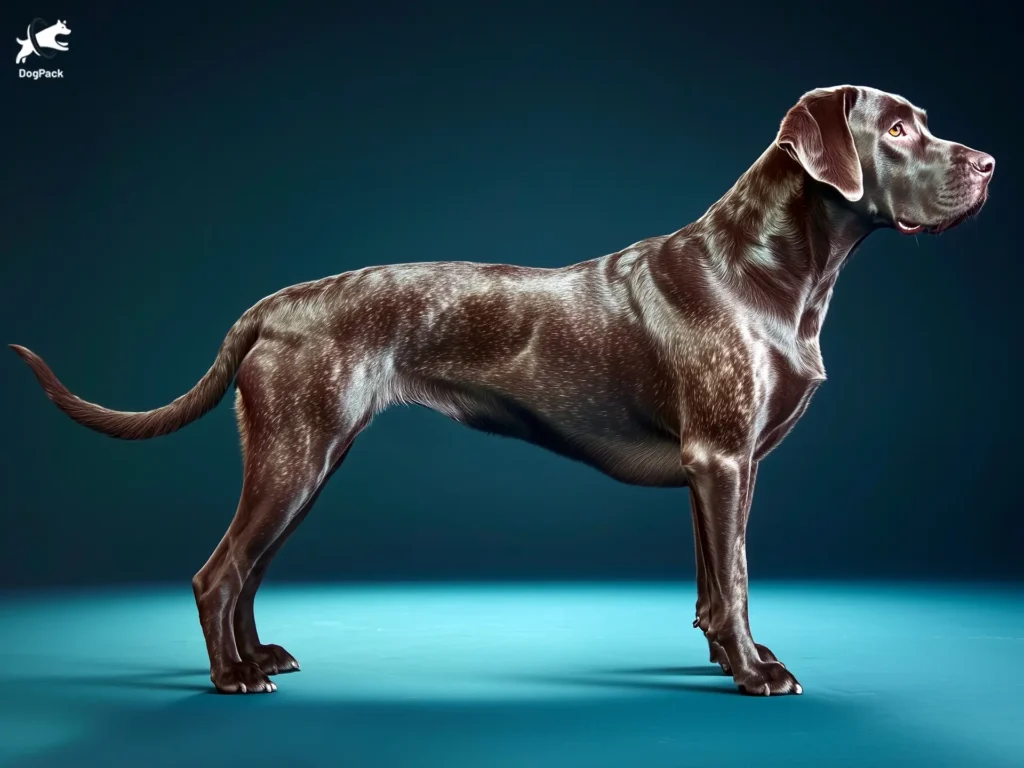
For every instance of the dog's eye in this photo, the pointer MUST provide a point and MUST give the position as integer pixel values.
(896, 130)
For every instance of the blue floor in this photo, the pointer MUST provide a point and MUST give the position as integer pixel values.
(524, 675)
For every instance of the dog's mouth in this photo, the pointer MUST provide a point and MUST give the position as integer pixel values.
(909, 228)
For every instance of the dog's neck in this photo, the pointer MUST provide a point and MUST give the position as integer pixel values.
(779, 239)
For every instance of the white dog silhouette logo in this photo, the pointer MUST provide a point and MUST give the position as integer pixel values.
(40, 38)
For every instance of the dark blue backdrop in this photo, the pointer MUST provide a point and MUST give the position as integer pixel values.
(194, 159)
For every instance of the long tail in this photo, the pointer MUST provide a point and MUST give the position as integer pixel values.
(195, 403)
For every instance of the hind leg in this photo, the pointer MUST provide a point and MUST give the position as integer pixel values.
(293, 432)
(271, 659)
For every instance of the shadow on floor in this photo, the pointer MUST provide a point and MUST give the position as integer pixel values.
(649, 721)
(560, 676)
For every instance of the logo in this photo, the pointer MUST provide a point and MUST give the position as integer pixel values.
(41, 40)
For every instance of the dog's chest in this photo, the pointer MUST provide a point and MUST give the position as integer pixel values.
(785, 402)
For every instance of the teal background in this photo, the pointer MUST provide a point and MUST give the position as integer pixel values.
(197, 157)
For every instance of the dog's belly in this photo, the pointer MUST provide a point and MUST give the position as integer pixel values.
(623, 445)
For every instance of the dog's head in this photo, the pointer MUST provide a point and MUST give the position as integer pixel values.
(875, 149)
(55, 31)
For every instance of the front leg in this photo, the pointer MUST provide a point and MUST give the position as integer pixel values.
(721, 485)
(703, 620)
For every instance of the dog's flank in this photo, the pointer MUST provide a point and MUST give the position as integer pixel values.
(681, 360)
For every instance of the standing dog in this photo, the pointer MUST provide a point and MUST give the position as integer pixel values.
(680, 361)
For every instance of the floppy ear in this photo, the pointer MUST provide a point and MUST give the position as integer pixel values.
(817, 135)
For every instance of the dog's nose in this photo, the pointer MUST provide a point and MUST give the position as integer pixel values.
(982, 163)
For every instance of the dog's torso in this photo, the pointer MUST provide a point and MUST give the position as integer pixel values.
(615, 362)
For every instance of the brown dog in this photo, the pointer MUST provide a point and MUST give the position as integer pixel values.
(679, 361)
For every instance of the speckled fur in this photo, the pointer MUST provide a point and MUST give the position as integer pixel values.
(681, 360)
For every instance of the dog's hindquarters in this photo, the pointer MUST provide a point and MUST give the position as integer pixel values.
(297, 425)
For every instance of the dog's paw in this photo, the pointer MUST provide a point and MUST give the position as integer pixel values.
(769, 678)
(272, 659)
(242, 677)
(721, 658)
